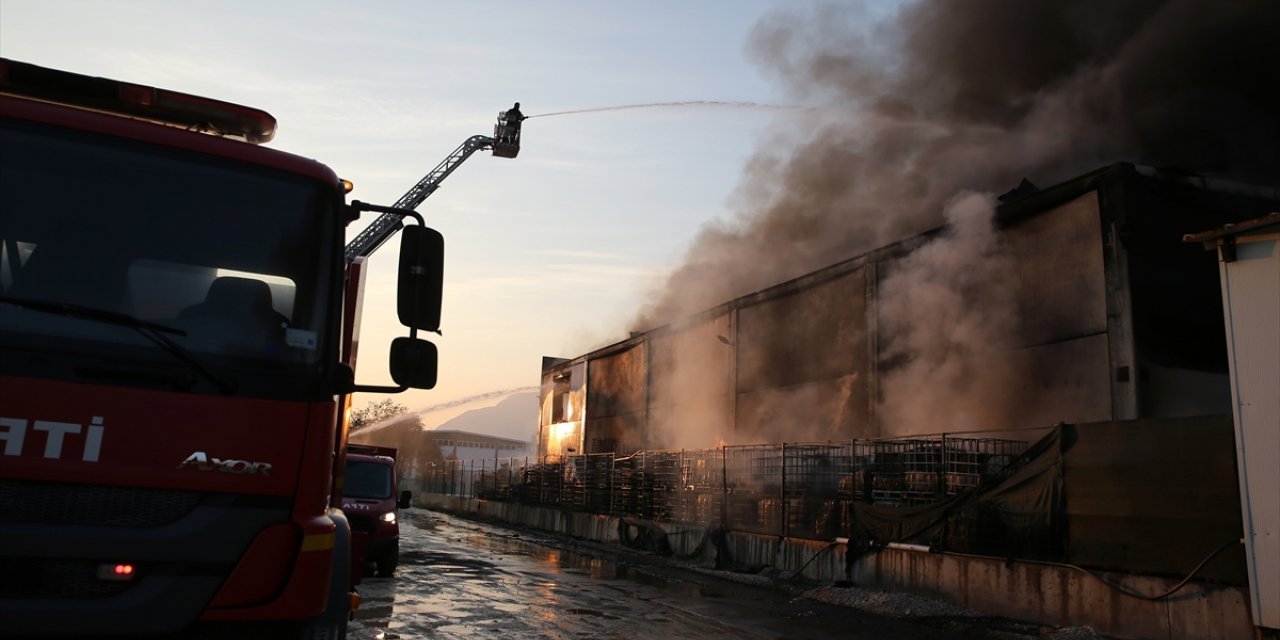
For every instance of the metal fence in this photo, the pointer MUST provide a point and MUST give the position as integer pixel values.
(794, 489)
(921, 471)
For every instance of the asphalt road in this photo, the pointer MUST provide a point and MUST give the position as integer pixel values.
(462, 579)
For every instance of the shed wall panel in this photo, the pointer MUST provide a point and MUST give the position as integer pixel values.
(616, 383)
(1059, 382)
(1060, 284)
(621, 434)
(811, 412)
(1021, 342)
(690, 373)
(812, 334)
(1251, 286)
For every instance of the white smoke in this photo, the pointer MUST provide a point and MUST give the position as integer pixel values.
(945, 313)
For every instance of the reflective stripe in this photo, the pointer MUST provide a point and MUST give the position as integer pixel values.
(318, 542)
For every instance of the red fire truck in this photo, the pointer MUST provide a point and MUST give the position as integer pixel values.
(372, 503)
(176, 363)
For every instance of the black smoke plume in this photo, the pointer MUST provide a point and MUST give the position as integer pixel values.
(945, 96)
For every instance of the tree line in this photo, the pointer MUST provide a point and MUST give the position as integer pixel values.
(415, 450)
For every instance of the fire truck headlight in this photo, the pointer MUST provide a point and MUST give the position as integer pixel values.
(389, 517)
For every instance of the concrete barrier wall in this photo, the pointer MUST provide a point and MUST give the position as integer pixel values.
(1058, 595)
(1047, 594)
(791, 557)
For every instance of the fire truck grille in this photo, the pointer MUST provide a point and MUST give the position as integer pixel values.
(84, 504)
(54, 578)
(362, 523)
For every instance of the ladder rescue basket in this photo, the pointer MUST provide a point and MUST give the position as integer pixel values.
(506, 137)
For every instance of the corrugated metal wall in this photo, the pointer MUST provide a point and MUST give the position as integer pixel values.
(803, 364)
(1095, 267)
(1063, 372)
(1047, 293)
(690, 382)
(616, 405)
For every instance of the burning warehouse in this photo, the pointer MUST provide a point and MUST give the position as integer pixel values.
(978, 411)
(1074, 303)
(910, 301)
(872, 348)
(893, 369)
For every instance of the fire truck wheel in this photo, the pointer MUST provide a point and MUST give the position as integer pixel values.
(387, 563)
(317, 631)
(331, 624)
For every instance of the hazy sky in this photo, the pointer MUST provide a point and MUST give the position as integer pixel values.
(546, 254)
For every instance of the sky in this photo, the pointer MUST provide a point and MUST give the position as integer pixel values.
(548, 254)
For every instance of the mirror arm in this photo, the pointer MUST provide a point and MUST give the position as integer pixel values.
(345, 382)
(357, 205)
(373, 388)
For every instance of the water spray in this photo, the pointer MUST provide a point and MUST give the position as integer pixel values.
(488, 395)
(687, 103)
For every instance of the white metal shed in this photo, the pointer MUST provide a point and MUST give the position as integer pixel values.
(1249, 255)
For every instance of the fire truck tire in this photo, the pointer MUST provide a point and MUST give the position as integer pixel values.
(331, 624)
(388, 562)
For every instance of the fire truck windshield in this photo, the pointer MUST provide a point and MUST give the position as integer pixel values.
(234, 258)
(367, 480)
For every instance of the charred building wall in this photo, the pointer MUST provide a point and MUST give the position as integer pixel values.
(562, 407)
(1077, 303)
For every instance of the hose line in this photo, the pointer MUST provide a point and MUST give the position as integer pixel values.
(1111, 583)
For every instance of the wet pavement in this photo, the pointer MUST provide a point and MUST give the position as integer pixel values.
(463, 579)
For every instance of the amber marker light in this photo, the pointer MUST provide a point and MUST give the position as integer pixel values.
(118, 571)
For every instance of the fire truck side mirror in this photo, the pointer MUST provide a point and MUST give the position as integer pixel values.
(421, 282)
(414, 363)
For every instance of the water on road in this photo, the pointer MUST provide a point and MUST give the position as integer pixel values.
(462, 579)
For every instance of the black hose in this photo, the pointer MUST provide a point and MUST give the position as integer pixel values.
(810, 561)
(1115, 585)
(1133, 594)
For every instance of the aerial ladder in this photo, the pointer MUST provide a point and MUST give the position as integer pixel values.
(505, 143)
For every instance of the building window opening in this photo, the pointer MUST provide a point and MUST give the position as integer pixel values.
(560, 398)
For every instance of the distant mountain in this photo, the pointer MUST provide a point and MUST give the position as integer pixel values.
(516, 417)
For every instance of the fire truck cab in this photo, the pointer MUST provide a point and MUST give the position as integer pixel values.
(176, 365)
(372, 503)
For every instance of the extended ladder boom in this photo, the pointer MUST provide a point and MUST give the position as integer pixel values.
(387, 224)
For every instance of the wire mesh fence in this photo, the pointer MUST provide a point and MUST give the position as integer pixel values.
(921, 471)
(804, 490)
